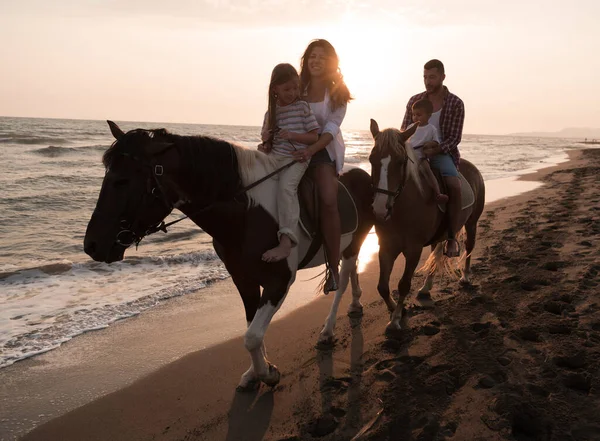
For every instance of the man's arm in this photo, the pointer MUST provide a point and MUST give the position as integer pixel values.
(407, 121)
(454, 129)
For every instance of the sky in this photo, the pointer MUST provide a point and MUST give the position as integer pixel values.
(518, 65)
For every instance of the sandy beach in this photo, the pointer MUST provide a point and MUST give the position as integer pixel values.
(513, 357)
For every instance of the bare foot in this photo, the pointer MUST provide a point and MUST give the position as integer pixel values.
(280, 252)
(441, 198)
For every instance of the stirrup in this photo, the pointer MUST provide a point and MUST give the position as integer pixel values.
(330, 284)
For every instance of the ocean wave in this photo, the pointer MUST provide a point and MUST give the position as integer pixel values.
(29, 139)
(53, 151)
(52, 269)
(74, 323)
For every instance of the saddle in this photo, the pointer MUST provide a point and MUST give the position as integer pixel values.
(309, 215)
(466, 192)
(467, 199)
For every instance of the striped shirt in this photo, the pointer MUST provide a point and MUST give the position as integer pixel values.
(451, 122)
(296, 117)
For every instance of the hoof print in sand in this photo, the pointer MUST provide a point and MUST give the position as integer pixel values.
(554, 307)
(576, 361)
(431, 329)
(322, 426)
(339, 385)
(504, 361)
(529, 334)
(579, 382)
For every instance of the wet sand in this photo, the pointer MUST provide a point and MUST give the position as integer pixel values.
(513, 357)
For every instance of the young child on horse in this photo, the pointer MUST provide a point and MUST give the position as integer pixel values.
(425, 132)
(289, 126)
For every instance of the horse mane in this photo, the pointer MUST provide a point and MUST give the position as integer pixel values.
(392, 139)
(247, 164)
(251, 164)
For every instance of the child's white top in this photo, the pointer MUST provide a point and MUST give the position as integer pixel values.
(422, 135)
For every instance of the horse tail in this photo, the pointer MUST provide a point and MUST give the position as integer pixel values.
(438, 261)
(434, 261)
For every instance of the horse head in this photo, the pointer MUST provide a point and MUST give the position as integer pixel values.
(392, 165)
(133, 198)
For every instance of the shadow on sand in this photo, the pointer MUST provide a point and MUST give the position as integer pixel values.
(250, 415)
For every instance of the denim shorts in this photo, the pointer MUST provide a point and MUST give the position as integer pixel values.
(444, 164)
(321, 157)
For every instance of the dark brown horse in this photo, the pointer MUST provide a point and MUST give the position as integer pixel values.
(409, 219)
(151, 172)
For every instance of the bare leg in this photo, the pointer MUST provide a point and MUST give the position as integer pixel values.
(432, 181)
(280, 252)
(327, 185)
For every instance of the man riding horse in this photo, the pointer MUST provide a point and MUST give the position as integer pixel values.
(448, 118)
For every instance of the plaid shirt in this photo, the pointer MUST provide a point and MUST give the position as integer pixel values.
(451, 122)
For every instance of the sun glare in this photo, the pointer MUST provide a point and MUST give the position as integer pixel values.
(369, 57)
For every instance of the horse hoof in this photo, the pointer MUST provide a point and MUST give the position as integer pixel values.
(355, 312)
(251, 386)
(464, 282)
(273, 377)
(392, 331)
(325, 343)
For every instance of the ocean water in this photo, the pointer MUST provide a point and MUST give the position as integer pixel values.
(51, 291)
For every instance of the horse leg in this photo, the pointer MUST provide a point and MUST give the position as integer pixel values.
(271, 300)
(326, 337)
(412, 259)
(249, 290)
(428, 284)
(355, 309)
(471, 230)
(387, 257)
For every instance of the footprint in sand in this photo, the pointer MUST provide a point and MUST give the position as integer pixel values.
(578, 382)
(574, 361)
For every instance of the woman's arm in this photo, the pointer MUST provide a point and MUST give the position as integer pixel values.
(334, 122)
(303, 138)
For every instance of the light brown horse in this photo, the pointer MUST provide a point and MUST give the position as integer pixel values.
(408, 217)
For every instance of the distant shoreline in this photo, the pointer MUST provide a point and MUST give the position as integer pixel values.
(557, 135)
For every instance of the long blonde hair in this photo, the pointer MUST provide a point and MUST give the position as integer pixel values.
(338, 91)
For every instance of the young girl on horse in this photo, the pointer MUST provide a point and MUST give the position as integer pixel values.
(289, 126)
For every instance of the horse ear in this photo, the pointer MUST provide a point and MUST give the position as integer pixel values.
(408, 133)
(115, 130)
(374, 128)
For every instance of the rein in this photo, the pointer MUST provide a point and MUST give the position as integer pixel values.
(158, 170)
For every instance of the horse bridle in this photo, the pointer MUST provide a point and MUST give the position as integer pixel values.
(157, 191)
(158, 170)
(393, 195)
